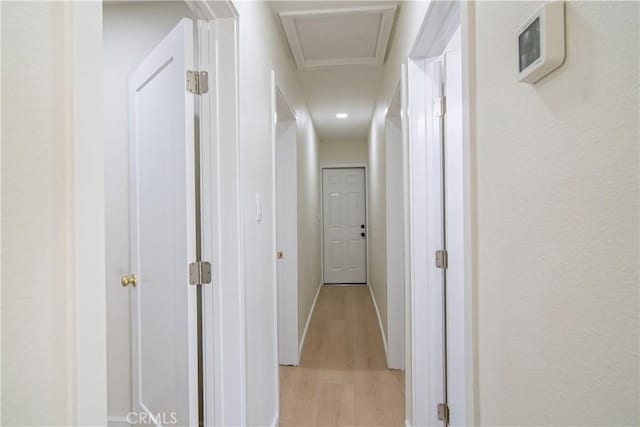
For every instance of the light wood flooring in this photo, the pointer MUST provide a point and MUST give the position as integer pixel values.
(343, 378)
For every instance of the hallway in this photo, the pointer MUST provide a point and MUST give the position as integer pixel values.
(342, 378)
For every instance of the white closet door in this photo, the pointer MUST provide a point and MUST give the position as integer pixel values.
(345, 233)
(162, 184)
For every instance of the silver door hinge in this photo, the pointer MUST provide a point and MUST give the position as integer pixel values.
(197, 82)
(442, 259)
(443, 412)
(199, 273)
(439, 106)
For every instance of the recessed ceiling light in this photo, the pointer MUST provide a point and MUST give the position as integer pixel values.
(342, 115)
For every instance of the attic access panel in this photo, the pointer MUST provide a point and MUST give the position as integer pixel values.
(337, 37)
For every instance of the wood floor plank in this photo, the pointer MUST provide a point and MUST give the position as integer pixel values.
(342, 379)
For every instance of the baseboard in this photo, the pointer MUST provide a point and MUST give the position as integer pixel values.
(407, 423)
(276, 420)
(306, 326)
(375, 304)
(117, 422)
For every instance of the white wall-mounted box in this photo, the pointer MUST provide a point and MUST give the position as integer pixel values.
(540, 42)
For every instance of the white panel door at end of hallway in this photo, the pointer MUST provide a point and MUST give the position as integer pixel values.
(163, 232)
(344, 225)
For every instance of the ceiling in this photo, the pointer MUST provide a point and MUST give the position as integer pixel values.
(339, 48)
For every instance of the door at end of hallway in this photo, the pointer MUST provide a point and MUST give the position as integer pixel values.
(344, 226)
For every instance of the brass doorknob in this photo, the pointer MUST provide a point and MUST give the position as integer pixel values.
(126, 281)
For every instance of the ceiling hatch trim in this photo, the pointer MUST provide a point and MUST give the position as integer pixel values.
(295, 22)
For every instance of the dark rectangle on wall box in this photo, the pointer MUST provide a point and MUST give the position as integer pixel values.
(529, 45)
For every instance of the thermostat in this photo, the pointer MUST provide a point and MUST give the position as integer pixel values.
(540, 42)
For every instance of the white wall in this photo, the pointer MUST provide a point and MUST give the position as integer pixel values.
(53, 362)
(556, 191)
(263, 49)
(35, 346)
(131, 31)
(309, 205)
(336, 152)
(408, 23)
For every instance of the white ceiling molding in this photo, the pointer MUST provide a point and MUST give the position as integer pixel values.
(338, 37)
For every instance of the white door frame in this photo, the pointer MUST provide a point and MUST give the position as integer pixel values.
(86, 309)
(287, 346)
(396, 284)
(224, 373)
(440, 23)
(223, 299)
(345, 165)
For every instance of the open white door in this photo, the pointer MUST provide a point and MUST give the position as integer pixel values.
(163, 233)
(286, 219)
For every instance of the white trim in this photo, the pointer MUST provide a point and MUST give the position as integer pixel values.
(387, 13)
(375, 304)
(223, 301)
(344, 165)
(340, 285)
(467, 29)
(404, 112)
(420, 363)
(395, 248)
(440, 23)
(117, 421)
(86, 312)
(276, 420)
(212, 9)
(306, 326)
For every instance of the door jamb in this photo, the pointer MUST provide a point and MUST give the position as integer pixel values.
(220, 181)
(432, 39)
(276, 92)
(86, 312)
(396, 361)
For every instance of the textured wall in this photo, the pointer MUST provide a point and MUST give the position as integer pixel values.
(35, 233)
(556, 184)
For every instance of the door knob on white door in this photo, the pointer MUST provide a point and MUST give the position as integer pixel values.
(128, 280)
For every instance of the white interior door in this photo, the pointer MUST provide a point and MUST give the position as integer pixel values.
(286, 241)
(345, 233)
(163, 240)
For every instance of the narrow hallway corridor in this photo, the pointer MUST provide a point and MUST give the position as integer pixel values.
(343, 377)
